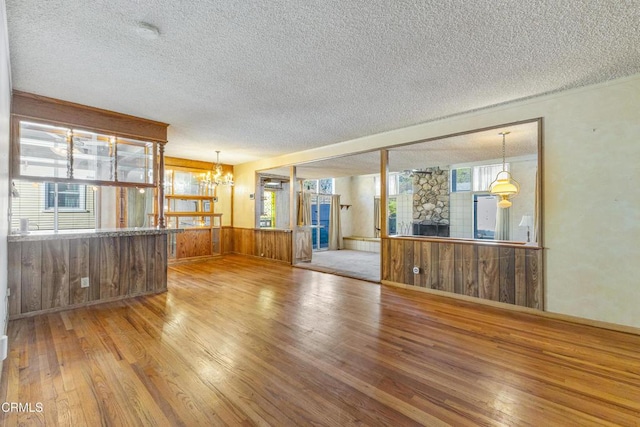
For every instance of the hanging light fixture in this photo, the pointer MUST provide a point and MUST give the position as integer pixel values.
(216, 176)
(504, 185)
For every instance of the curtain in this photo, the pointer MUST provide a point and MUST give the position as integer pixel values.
(483, 176)
(335, 229)
(502, 224)
(304, 209)
(377, 223)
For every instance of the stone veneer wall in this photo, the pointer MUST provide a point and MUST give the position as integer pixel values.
(431, 195)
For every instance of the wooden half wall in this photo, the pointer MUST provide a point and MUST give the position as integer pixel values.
(505, 273)
(45, 275)
(263, 243)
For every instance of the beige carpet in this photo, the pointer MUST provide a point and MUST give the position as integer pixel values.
(346, 262)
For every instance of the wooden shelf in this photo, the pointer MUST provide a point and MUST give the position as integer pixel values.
(188, 197)
(190, 213)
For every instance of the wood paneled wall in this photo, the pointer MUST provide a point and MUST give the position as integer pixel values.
(506, 273)
(271, 244)
(47, 274)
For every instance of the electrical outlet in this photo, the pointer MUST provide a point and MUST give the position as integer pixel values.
(84, 282)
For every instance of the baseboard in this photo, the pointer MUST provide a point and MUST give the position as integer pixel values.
(548, 314)
(84, 304)
(261, 257)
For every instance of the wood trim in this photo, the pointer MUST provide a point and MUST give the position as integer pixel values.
(384, 175)
(37, 107)
(462, 241)
(84, 304)
(84, 181)
(178, 163)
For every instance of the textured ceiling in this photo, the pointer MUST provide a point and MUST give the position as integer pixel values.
(265, 78)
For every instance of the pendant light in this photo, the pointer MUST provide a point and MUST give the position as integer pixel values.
(504, 185)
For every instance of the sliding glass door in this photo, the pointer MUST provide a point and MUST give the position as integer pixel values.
(320, 206)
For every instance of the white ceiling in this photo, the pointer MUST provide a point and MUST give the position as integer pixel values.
(269, 77)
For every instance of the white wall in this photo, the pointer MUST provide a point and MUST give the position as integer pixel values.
(591, 196)
(362, 195)
(5, 109)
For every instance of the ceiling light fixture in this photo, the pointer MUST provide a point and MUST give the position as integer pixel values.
(215, 177)
(504, 185)
(147, 31)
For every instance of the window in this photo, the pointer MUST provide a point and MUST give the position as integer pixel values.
(268, 214)
(483, 176)
(460, 180)
(71, 197)
(48, 151)
(399, 183)
(320, 186)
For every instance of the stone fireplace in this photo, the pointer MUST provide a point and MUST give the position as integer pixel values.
(431, 202)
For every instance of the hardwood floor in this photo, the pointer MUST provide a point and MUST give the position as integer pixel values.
(241, 341)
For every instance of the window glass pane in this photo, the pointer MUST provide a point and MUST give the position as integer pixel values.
(267, 216)
(310, 185)
(186, 183)
(93, 156)
(326, 186)
(135, 161)
(69, 196)
(405, 183)
(460, 180)
(483, 176)
(393, 184)
(43, 150)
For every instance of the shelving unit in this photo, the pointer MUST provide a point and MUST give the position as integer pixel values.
(195, 214)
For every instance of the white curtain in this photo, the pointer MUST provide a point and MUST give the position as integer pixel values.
(304, 209)
(377, 222)
(483, 176)
(335, 229)
(502, 224)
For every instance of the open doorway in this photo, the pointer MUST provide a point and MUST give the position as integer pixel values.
(485, 208)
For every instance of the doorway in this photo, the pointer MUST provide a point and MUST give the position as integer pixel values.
(485, 207)
(320, 208)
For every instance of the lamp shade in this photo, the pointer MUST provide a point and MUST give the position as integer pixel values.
(526, 221)
(504, 185)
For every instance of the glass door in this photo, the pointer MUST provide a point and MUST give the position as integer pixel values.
(485, 207)
(320, 205)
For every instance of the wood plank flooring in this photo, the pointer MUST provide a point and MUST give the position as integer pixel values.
(243, 341)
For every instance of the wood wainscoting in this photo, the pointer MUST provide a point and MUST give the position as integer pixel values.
(507, 273)
(260, 242)
(46, 275)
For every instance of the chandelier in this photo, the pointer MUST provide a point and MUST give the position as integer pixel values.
(504, 185)
(216, 176)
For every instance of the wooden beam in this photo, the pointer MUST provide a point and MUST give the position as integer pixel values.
(37, 107)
